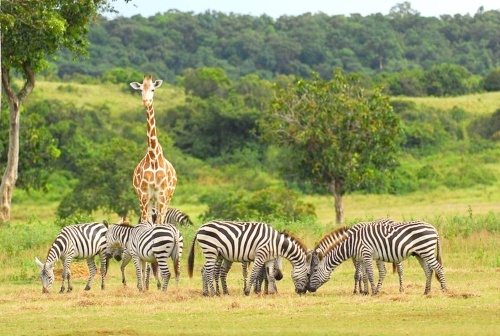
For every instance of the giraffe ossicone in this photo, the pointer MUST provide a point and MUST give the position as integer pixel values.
(154, 177)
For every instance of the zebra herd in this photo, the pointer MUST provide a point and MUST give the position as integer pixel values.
(225, 242)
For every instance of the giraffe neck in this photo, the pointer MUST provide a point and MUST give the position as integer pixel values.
(154, 148)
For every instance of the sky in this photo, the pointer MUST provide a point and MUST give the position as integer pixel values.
(277, 8)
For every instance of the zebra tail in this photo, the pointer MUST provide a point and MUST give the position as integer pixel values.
(438, 256)
(176, 255)
(191, 259)
(394, 267)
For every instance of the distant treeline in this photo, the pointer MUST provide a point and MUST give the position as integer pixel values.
(167, 44)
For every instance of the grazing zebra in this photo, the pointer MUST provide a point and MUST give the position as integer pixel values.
(389, 243)
(222, 269)
(359, 274)
(248, 241)
(75, 241)
(146, 243)
(175, 216)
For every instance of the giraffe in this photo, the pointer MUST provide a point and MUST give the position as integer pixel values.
(154, 177)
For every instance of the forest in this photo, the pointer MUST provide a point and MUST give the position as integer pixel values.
(376, 46)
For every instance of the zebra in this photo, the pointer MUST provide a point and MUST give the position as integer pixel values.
(222, 268)
(85, 240)
(359, 274)
(248, 241)
(175, 216)
(117, 249)
(143, 243)
(389, 243)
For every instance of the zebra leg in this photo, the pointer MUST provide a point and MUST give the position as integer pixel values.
(433, 264)
(148, 273)
(67, 273)
(367, 260)
(224, 268)
(270, 286)
(258, 264)
(399, 266)
(357, 275)
(261, 277)
(125, 261)
(244, 271)
(218, 274)
(428, 274)
(104, 267)
(139, 266)
(92, 270)
(209, 276)
(363, 279)
(204, 283)
(381, 274)
(165, 272)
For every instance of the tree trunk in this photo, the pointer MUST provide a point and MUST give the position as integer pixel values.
(9, 177)
(336, 189)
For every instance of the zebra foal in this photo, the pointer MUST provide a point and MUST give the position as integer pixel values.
(388, 243)
(244, 242)
(75, 241)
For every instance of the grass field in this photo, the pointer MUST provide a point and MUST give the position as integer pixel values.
(116, 97)
(470, 307)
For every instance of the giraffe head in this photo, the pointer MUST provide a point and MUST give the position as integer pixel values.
(147, 89)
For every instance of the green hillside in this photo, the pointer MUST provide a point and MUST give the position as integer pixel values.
(119, 98)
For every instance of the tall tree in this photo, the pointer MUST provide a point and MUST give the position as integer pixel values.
(31, 32)
(337, 133)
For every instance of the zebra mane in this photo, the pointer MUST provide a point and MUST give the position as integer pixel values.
(288, 234)
(337, 232)
(126, 224)
(337, 242)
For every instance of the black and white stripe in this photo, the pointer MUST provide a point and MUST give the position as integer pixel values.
(388, 243)
(75, 241)
(248, 241)
(146, 243)
(222, 269)
(175, 216)
(360, 276)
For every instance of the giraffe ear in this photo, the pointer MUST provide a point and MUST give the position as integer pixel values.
(158, 83)
(135, 85)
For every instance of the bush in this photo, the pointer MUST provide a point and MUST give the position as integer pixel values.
(492, 80)
(266, 205)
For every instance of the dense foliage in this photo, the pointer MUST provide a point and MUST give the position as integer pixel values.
(167, 44)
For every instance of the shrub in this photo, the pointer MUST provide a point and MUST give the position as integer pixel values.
(266, 204)
(492, 80)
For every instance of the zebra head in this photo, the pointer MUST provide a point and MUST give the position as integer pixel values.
(46, 275)
(319, 274)
(300, 276)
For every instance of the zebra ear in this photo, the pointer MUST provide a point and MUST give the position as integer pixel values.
(38, 262)
(308, 256)
(320, 256)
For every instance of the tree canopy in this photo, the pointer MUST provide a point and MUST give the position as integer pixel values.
(338, 134)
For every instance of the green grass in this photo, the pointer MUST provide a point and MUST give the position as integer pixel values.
(479, 103)
(470, 257)
(469, 307)
(116, 97)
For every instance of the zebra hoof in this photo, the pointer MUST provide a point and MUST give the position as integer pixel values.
(87, 287)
